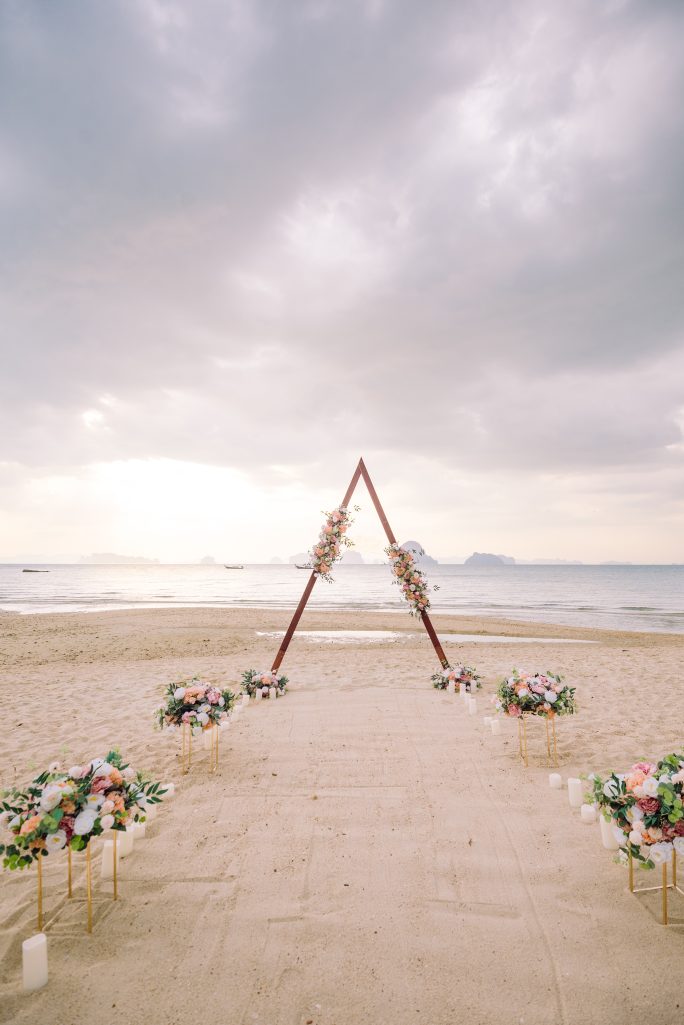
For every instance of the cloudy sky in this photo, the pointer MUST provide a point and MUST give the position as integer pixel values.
(243, 243)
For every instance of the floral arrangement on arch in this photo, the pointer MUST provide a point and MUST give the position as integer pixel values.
(331, 540)
(253, 680)
(462, 676)
(70, 808)
(409, 578)
(197, 703)
(646, 806)
(542, 694)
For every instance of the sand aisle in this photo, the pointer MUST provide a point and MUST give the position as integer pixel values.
(366, 854)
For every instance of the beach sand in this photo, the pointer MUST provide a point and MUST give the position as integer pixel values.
(366, 853)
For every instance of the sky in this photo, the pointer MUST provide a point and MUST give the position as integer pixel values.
(244, 243)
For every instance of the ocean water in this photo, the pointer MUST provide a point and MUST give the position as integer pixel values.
(613, 597)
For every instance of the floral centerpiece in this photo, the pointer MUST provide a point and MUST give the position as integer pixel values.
(409, 578)
(70, 808)
(253, 680)
(646, 806)
(198, 703)
(542, 694)
(331, 540)
(462, 676)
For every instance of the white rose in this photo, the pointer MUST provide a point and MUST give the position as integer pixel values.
(55, 841)
(179, 693)
(635, 814)
(107, 821)
(550, 696)
(661, 853)
(205, 708)
(53, 767)
(94, 801)
(635, 837)
(50, 798)
(96, 762)
(75, 771)
(650, 786)
(128, 774)
(618, 833)
(107, 807)
(523, 692)
(104, 769)
(84, 822)
(14, 823)
(679, 845)
(221, 702)
(203, 718)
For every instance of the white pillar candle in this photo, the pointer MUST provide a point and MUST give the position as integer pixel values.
(151, 811)
(245, 700)
(237, 710)
(257, 694)
(139, 830)
(496, 727)
(575, 792)
(472, 706)
(451, 687)
(124, 842)
(555, 781)
(273, 693)
(35, 961)
(107, 864)
(170, 789)
(463, 692)
(608, 838)
(487, 720)
(588, 813)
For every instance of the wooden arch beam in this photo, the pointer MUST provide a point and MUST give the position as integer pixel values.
(359, 472)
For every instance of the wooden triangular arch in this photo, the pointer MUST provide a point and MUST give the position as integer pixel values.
(359, 472)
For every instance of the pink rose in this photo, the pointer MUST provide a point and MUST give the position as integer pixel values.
(514, 710)
(186, 717)
(99, 785)
(644, 767)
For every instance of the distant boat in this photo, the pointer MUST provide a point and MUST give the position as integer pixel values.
(303, 565)
(232, 567)
(35, 571)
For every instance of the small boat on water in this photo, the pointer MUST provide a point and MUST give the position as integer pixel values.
(35, 571)
(303, 565)
(232, 567)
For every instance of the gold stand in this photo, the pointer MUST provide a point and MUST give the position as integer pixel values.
(550, 741)
(186, 748)
(116, 887)
(214, 753)
(664, 885)
(40, 892)
(89, 889)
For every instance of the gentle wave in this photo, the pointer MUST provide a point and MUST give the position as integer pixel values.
(649, 598)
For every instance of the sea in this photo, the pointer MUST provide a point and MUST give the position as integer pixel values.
(637, 598)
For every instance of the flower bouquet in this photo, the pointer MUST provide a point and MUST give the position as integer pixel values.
(59, 809)
(253, 680)
(646, 807)
(462, 676)
(542, 694)
(196, 703)
(409, 578)
(331, 540)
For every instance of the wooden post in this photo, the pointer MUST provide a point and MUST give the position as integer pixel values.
(360, 471)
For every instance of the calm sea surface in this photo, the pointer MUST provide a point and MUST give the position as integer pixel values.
(620, 597)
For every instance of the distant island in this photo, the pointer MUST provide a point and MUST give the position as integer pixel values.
(112, 559)
(487, 559)
(421, 556)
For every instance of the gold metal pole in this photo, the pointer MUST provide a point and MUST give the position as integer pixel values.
(555, 746)
(70, 891)
(665, 893)
(520, 749)
(674, 868)
(116, 885)
(631, 870)
(89, 889)
(548, 743)
(40, 892)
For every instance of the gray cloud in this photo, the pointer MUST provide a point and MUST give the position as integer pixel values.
(252, 234)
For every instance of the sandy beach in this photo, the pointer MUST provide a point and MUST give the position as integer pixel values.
(367, 852)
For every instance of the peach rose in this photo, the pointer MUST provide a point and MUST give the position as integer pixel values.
(30, 825)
